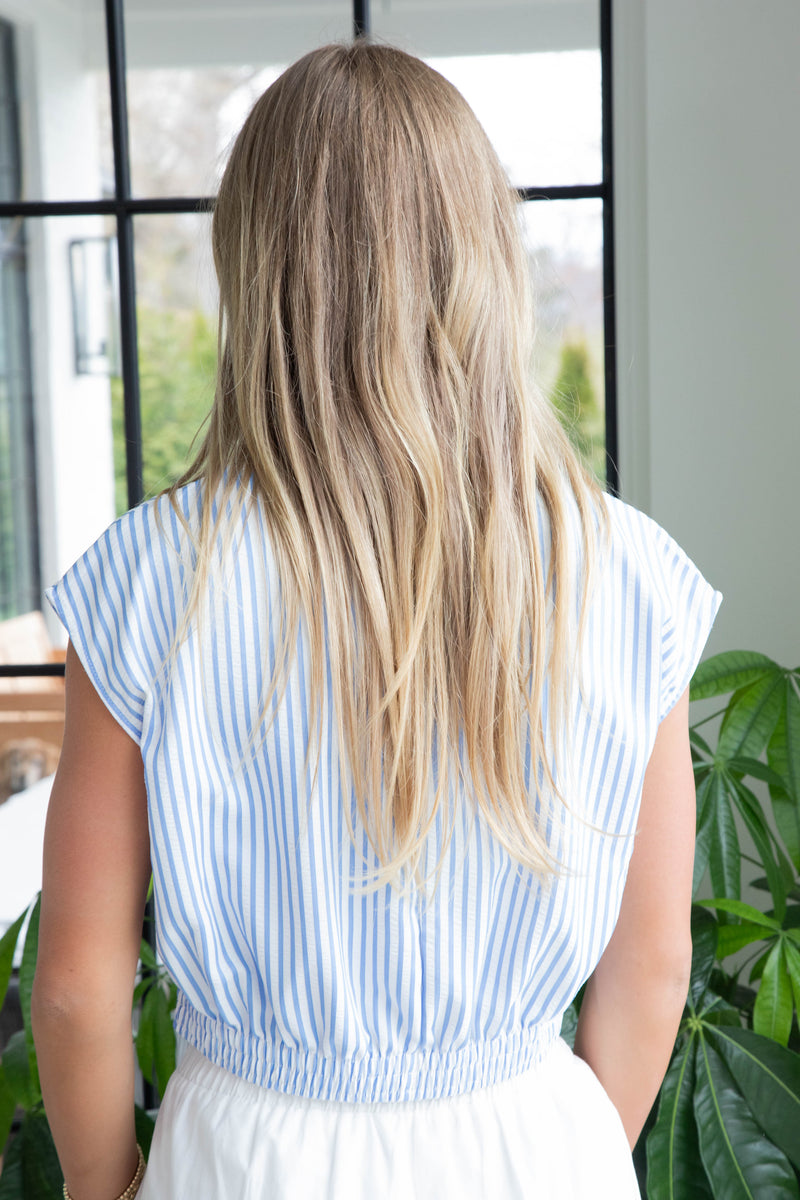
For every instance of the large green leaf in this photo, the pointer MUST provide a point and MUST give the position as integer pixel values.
(740, 1162)
(787, 822)
(41, 1172)
(699, 744)
(792, 957)
(164, 1040)
(751, 717)
(757, 967)
(27, 971)
(674, 1167)
(793, 738)
(729, 671)
(742, 765)
(8, 944)
(733, 938)
(145, 1037)
(11, 1183)
(738, 908)
(724, 857)
(155, 1038)
(17, 1071)
(769, 1079)
(705, 827)
(148, 956)
(783, 751)
(704, 951)
(772, 1014)
(778, 880)
(8, 1104)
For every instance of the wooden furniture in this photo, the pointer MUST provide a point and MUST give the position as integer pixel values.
(31, 709)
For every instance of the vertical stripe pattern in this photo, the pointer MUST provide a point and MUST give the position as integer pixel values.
(290, 975)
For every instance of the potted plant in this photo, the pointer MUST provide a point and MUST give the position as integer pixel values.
(727, 1123)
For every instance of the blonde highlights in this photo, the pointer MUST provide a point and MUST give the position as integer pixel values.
(374, 389)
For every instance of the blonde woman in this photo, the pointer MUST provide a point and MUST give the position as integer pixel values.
(392, 700)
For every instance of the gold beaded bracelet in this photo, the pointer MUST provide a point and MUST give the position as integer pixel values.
(133, 1186)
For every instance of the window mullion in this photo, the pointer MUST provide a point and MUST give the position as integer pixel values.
(129, 350)
(609, 271)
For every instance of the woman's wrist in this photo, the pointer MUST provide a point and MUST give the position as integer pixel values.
(133, 1186)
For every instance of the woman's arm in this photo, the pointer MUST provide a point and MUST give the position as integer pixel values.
(96, 873)
(634, 1000)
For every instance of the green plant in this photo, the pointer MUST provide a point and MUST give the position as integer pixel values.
(574, 397)
(177, 364)
(728, 1119)
(30, 1164)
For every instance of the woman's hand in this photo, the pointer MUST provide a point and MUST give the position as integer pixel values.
(96, 873)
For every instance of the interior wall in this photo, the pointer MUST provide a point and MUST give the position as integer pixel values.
(707, 228)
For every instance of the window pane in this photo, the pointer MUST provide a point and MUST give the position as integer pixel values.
(192, 82)
(56, 473)
(58, 81)
(530, 72)
(60, 457)
(565, 244)
(177, 320)
(19, 542)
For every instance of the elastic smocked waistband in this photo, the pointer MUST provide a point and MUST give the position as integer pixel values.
(367, 1079)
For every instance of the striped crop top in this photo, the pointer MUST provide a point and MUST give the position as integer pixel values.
(287, 974)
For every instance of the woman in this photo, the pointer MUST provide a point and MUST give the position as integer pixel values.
(393, 700)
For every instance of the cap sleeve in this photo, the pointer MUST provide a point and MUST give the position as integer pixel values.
(114, 604)
(684, 603)
(691, 604)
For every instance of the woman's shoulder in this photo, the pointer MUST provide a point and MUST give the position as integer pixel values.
(164, 521)
(653, 581)
(642, 550)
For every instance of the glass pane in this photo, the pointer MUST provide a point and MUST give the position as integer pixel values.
(56, 460)
(55, 91)
(530, 72)
(192, 82)
(541, 111)
(177, 320)
(19, 565)
(565, 243)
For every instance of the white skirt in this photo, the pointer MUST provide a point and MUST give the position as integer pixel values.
(549, 1132)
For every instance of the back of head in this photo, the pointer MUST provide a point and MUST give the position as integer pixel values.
(374, 386)
(364, 205)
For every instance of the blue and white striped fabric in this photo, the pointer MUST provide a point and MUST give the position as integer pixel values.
(288, 975)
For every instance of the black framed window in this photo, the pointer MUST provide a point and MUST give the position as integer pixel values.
(19, 534)
(108, 299)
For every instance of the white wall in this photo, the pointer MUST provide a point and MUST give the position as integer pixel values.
(707, 99)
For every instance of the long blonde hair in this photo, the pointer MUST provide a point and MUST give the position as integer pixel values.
(374, 388)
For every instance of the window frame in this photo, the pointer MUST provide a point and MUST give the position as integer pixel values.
(124, 207)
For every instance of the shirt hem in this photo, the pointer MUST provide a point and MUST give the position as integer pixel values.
(367, 1078)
